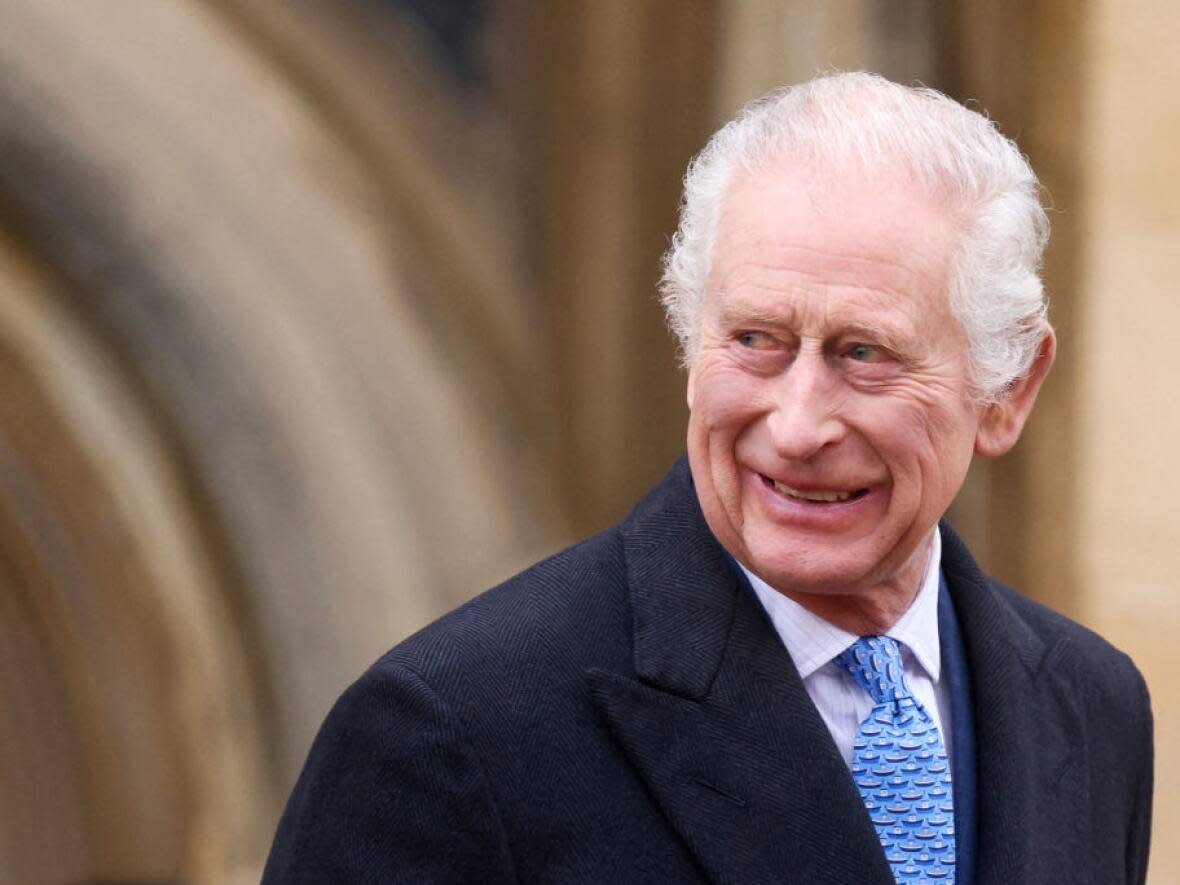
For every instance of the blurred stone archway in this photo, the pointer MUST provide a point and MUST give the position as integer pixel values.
(319, 316)
(258, 355)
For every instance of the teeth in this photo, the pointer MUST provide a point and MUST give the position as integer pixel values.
(828, 497)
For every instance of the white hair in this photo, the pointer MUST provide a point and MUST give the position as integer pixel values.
(995, 288)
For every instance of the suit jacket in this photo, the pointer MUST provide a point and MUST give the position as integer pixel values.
(625, 713)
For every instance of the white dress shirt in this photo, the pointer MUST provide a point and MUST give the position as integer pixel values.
(813, 643)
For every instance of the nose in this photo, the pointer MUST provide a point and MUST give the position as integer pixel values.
(805, 416)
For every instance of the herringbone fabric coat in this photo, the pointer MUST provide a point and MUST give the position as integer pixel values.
(625, 713)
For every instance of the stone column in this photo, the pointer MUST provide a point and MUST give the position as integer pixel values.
(1128, 380)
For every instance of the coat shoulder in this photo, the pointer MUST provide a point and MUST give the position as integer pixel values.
(1102, 677)
(1068, 647)
(1069, 640)
(567, 612)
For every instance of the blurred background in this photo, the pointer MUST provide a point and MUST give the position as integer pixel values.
(317, 317)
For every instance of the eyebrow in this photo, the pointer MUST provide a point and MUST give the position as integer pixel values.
(732, 315)
(896, 341)
(736, 315)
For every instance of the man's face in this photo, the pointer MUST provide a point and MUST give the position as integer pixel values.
(831, 423)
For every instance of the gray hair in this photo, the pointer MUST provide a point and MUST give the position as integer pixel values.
(995, 286)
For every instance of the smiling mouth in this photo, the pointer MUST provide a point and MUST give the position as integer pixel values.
(815, 496)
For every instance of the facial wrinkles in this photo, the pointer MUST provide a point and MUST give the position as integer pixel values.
(837, 263)
(928, 376)
(748, 259)
(917, 391)
(813, 308)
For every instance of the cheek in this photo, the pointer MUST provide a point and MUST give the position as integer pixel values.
(939, 444)
(723, 399)
(950, 431)
(918, 437)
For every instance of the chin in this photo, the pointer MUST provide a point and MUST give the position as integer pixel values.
(817, 581)
(826, 567)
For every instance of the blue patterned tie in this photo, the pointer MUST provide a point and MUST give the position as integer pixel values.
(900, 766)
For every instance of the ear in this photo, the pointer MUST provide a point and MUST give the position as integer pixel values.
(691, 378)
(1001, 423)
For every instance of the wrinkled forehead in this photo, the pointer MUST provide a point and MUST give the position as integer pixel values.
(849, 213)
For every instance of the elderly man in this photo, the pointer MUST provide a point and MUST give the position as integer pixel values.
(781, 667)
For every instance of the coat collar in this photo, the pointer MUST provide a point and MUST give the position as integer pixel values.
(683, 589)
(683, 585)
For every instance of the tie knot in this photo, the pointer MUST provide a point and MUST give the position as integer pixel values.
(875, 663)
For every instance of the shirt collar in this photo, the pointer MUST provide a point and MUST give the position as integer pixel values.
(812, 642)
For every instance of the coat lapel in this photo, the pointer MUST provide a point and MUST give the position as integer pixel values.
(1027, 729)
(716, 721)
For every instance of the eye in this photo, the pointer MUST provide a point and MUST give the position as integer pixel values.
(755, 340)
(864, 353)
